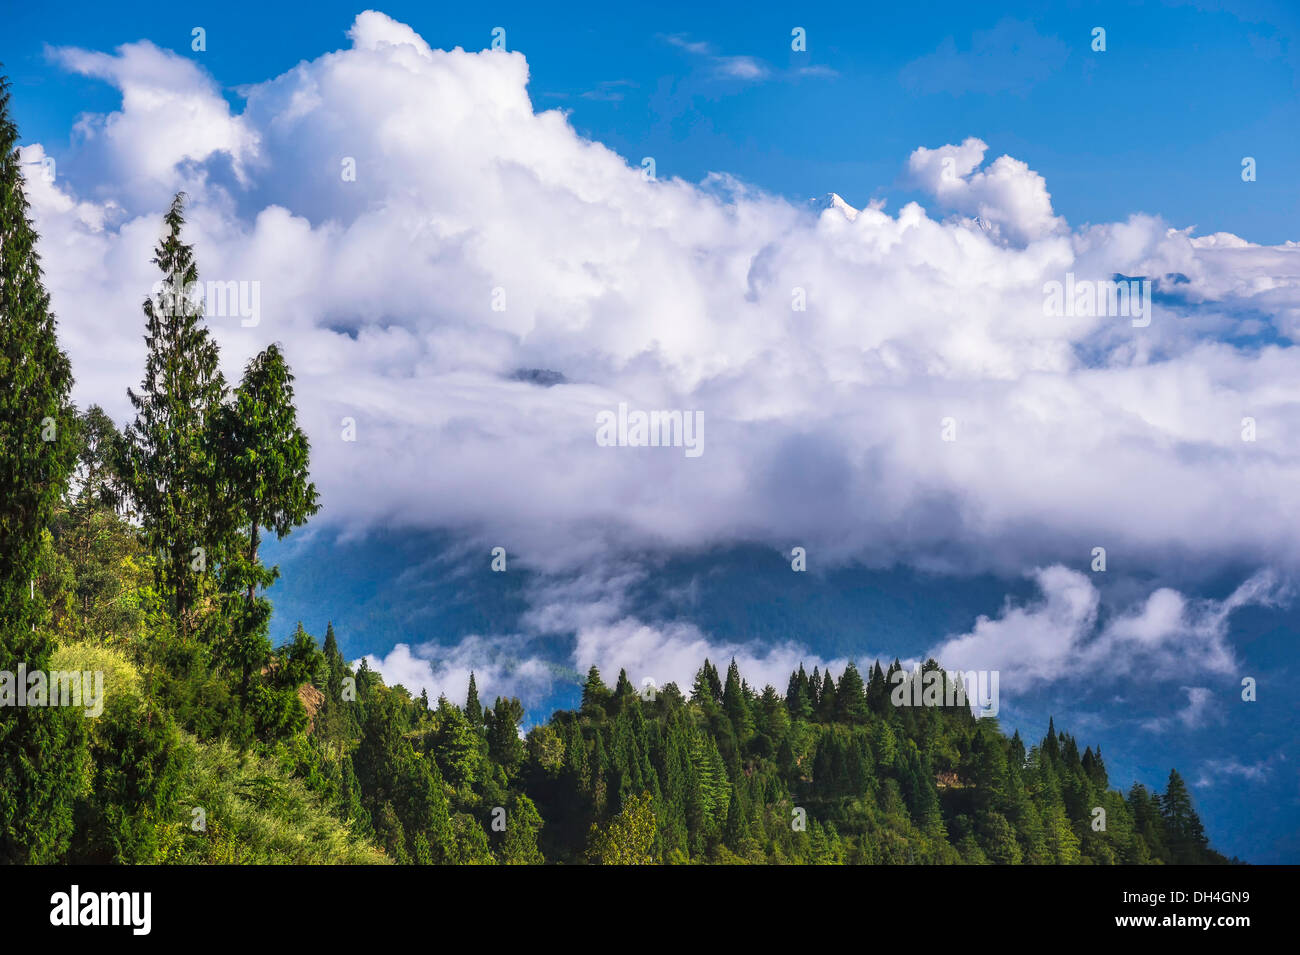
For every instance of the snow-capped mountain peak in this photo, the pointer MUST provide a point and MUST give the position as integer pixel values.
(833, 200)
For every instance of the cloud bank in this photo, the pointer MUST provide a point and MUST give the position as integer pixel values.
(420, 233)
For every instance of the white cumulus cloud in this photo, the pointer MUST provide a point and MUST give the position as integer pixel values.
(481, 236)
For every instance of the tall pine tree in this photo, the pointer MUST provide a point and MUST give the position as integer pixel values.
(1184, 834)
(37, 452)
(265, 460)
(169, 459)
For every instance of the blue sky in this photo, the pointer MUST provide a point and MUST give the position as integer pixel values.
(1159, 122)
(983, 156)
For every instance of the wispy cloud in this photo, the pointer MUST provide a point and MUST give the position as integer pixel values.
(742, 67)
(1215, 771)
(698, 47)
(736, 67)
(609, 90)
(1200, 701)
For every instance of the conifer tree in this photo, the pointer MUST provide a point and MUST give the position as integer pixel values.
(1095, 768)
(595, 695)
(878, 691)
(454, 745)
(1016, 751)
(334, 663)
(772, 718)
(712, 683)
(337, 718)
(714, 785)
(1062, 843)
(826, 699)
(575, 753)
(169, 453)
(736, 706)
(300, 661)
(623, 692)
(504, 743)
(38, 746)
(37, 449)
(1184, 834)
(736, 830)
(1051, 745)
(265, 460)
(851, 696)
(519, 844)
(796, 695)
(473, 709)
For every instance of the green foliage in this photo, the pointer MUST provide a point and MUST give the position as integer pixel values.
(455, 746)
(254, 814)
(168, 458)
(504, 744)
(136, 766)
(1184, 834)
(264, 463)
(719, 778)
(122, 679)
(628, 838)
(40, 749)
(519, 843)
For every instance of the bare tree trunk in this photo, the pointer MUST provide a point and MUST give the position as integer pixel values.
(252, 562)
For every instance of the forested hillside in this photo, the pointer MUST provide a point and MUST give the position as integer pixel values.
(136, 554)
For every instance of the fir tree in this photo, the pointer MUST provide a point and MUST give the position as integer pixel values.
(265, 459)
(736, 706)
(519, 845)
(504, 743)
(623, 692)
(1184, 833)
(454, 745)
(796, 695)
(851, 697)
(878, 691)
(1051, 745)
(826, 705)
(168, 459)
(473, 709)
(595, 695)
(38, 746)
